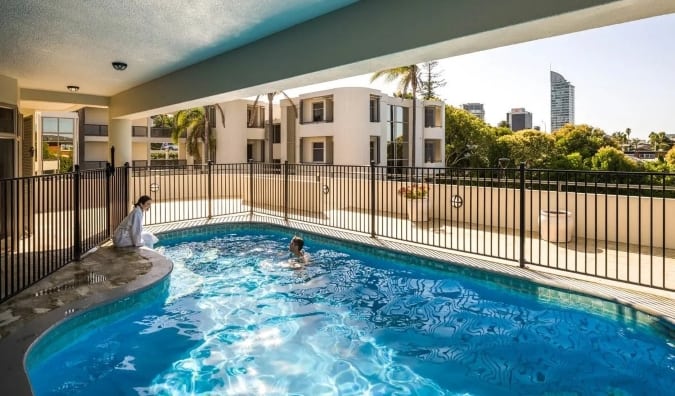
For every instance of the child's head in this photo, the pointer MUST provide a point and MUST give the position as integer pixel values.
(296, 244)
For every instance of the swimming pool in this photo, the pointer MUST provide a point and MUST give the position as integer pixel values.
(236, 317)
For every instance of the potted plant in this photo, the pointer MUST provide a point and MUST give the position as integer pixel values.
(417, 204)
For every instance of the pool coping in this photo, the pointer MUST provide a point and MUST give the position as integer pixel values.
(15, 346)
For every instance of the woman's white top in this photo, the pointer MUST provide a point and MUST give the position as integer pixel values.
(130, 230)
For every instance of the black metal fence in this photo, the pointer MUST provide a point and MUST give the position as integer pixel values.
(611, 225)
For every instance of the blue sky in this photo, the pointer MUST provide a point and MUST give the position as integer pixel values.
(624, 77)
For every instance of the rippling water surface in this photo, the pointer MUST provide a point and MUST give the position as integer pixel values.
(241, 319)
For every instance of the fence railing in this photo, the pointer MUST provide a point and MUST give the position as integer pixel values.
(604, 224)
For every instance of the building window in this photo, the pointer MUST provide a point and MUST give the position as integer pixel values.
(375, 149)
(317, 152)
(432, 151)
(432, 116)
(397, 138)
(374, 108)
(276, 133)
(58, 142)
(317, 111)
(255, 116)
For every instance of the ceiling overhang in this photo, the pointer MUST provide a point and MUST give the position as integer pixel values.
(369, 36)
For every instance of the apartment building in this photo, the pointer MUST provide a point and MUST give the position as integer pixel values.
(354, 126)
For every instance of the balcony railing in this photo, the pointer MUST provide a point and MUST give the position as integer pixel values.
(609, 225)
(95, 130)
(139, 131)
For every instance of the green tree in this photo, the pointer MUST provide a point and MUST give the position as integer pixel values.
(503, 124)
(163, 120)
(194, 124)
(535, 148)
(611, 159)
(468, 140)
(583, 139)
(670, 157)
(659, 141)
(408, 79)
(431, 80)
(620, 139)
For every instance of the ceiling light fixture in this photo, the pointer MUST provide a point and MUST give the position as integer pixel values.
(73, 88)
(119, 66)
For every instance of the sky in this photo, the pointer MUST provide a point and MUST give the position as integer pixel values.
(624, 77)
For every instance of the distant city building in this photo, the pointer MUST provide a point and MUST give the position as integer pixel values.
(476, 109)
(519, 119)
(562, 102)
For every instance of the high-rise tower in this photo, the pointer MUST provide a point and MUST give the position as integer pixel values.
(562, 101)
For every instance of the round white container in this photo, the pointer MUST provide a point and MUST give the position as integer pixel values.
(556, 225)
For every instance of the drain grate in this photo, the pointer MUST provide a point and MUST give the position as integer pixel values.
(80, 279)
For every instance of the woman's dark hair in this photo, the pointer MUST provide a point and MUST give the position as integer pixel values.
(142, 200)
(298, 241)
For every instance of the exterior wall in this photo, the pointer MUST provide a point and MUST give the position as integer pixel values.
(9, 90)
(139, 151)
(96, 116)
(231, 138)
(351, 128)
(96, 151)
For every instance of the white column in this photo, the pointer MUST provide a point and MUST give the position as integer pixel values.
(119, 136)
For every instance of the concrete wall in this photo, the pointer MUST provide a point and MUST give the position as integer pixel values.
(232, 136)
(96, 116)
(96, 151)
(9, 90)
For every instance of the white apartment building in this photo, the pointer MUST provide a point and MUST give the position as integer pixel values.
(354, 126)
(342, 126)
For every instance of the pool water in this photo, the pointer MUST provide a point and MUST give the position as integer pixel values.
(241, 318)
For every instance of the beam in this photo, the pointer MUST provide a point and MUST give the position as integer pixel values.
(368, 36)
(36, 95)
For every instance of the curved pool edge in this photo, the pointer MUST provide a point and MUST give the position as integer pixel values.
(16, 346)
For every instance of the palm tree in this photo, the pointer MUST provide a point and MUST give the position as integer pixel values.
(195, 125)
(269, 128)
(408, 78)
(659, 141)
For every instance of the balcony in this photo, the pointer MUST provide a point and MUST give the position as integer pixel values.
(95, 130)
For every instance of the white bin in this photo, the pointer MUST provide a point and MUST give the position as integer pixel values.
(556, 225)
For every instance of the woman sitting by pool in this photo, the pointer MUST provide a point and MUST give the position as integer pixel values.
(130, 231)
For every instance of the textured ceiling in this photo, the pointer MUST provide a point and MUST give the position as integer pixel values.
(49, 44)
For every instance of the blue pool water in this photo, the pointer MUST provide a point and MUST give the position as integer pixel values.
(237, 318)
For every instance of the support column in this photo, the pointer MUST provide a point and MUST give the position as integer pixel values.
(119, 135)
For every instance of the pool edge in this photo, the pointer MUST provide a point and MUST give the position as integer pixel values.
(16, 347)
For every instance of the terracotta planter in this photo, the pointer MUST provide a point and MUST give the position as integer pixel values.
(417, 209)
(556, 225)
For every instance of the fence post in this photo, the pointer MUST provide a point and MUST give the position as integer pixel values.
(125, 184)
(521, 259)
(286, 190)
(250, 185)
(77, 246)
(108, 199)
(372, 199)
(209, 188)
(112, 158)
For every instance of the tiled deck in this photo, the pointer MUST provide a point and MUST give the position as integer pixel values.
(108, 274)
